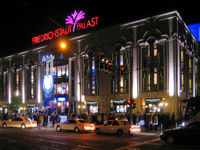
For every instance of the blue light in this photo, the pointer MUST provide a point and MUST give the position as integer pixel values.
(62, 99)
(93, 72)
(195, 29)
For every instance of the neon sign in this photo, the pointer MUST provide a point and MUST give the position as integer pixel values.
(72, 24)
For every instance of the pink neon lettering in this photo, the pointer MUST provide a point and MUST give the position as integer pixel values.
(76, 16)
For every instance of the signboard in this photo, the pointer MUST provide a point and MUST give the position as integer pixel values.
(48, 85)
(152, 100)
(73, 23)
(195, 29)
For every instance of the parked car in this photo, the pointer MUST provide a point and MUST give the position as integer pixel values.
(75, 125)
(188, 133)
(118, 127)
(19, 122)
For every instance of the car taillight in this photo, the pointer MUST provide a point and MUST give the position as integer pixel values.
(88, 127)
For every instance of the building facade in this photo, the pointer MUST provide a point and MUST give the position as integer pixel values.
(154, 61)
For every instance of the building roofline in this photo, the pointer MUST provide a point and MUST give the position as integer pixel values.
(175, 13)
(24, 52)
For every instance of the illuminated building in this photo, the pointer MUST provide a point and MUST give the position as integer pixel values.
(153, 60)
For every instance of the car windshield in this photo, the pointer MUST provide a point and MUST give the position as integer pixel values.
(82, 121)
(28, 119)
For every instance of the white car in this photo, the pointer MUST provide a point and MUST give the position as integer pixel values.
(19, 122)
(118, 127)
(75, 125)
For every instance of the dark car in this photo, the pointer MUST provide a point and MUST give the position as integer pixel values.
(185, 134)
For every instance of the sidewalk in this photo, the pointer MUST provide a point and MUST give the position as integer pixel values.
(46, 127)
(143, 131)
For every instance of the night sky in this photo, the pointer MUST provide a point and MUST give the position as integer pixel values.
(21, 20)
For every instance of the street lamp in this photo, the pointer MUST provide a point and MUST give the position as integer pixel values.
(63, 45)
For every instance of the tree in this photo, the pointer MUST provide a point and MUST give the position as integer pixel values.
(15, 104)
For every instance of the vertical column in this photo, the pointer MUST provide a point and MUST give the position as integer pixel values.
(171, 61)
(135, 64)
(47, 67)
(78, 74)
(38, 80)
(23, 80)
(178, 69)
(51, 67)
(9, 83)
(70, 77)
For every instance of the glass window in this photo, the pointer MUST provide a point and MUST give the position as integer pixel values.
(14, 119)
(149, 82)
(182, 56)
(155, 52)
(72, 121)
(82, 121)
(126, 123)
(108, 123)
(28, 119)
(155, 76)
(149, 51)
(115, 123)
(153, 67)
(19, 119)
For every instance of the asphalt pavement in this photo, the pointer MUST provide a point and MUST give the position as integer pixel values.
(48, 139)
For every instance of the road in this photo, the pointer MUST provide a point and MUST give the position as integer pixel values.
(48, 139)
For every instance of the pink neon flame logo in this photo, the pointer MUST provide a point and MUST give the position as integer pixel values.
(74, 18)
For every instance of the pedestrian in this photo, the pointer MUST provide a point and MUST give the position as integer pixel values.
(51, 120)
(45, 119)
(155, 121)
(41, 119)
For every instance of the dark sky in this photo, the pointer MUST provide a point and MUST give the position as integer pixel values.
(21, 19)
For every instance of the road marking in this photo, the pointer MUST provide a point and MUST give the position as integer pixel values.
(138, 144)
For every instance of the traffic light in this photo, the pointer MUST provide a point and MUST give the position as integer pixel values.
(106, 65)
(110, 66)
(134, 102)
(101, 62)
(131, 102)
(123, 70)
(128, 102)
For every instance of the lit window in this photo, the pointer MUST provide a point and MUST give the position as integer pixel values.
(148, 51)
(182, 56)
(59, 73)
(195, 68)
(67, 70)
(149, 77)
(93, 64)
(121, 60)
(190, 83)
(155, 76)
(155, 51)
(121, 82)
(190, 63)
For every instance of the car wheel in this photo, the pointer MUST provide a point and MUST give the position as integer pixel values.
(4, 125)
(23, 126)
(119, 132)
(76, 130)
(97, 131)
(170, 140)
(58, 129)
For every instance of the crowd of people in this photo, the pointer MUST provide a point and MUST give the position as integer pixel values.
(49, 117)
